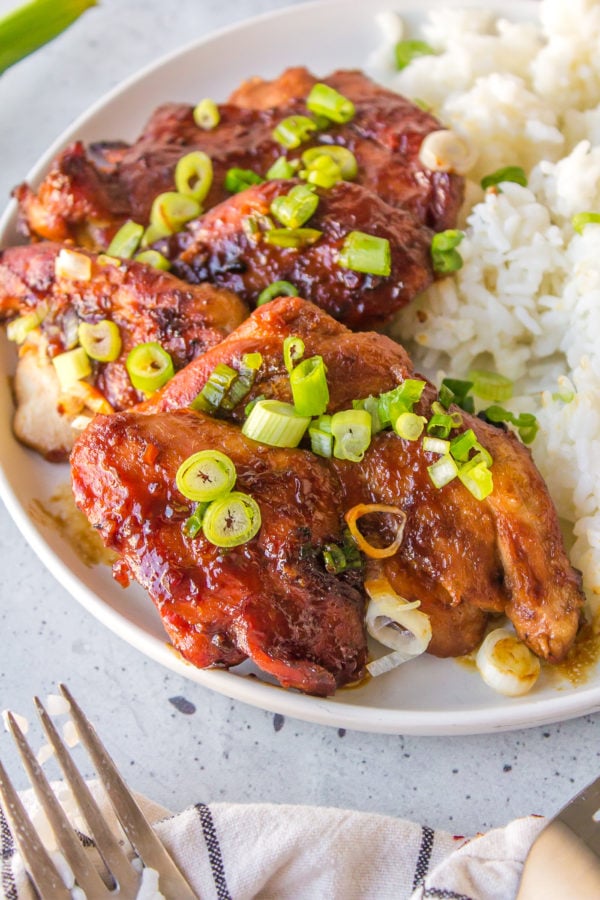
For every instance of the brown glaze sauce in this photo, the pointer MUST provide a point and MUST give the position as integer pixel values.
(59, 512)
(583, 655)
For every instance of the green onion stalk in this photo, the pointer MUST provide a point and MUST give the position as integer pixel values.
(29, 27)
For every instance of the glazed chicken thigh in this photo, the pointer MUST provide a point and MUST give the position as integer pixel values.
(464, 559)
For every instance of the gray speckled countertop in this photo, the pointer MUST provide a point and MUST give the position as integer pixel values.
(176, 741)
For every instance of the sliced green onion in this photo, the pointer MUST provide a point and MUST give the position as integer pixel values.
(237, 180)
(205, 475)
(326, 101)
(126, 240)
(525, 423)
(351, 429)
(149, 367)
(371, 404)
(171, 210)
(321, 441)
(580, 220)
(276, 423)
(461, 446)
(366, 253)
(193, 525)
(232, 520)
(293, 351)
(33, 24)
(296, 207)
(250, 406)
(401, 399)
(154, 233)
(334, 559)
(408, 50)
(453, 390)
(101, 341)
(249, 366)
(409, 426)
(435, 445)
(194, 175)
(277, 289)
(478, 480)
(18, 329)
(214, 391)
(206, 114)
(294, 238)
(323, 173)
(444, 255)
(443, 471)
(440, 426)
(153, 258)
(508, 173)
(341, 156)
(293, 131)
(491, 385)
(283, 168)
(255, 226)
(308, 382)
(71, 366)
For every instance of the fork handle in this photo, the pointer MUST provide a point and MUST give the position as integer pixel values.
(560, 865)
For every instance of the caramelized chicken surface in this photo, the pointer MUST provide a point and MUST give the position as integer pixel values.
(267, 599)
(89, 192)
(464, 559)
(220, 248)
(146, 304)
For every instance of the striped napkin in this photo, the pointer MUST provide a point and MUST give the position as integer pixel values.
(306, 853)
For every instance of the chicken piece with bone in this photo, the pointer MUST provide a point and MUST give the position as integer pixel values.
(56, 298)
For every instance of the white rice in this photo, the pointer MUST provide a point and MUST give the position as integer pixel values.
(527, 300)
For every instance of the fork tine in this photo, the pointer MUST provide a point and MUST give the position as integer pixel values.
(106, 843)
(85, 874)
(41, 869)
(150, 849)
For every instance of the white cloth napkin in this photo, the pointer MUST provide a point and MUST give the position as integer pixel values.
(306, 853)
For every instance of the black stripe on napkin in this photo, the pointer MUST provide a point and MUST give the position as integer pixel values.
(7, 852)
(214, 851)
(444, 894)
(424, 856)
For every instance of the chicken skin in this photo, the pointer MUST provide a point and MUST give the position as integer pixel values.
(90, 192)
(146, 304)
(220, 248)
(267, 599)
(464, 559)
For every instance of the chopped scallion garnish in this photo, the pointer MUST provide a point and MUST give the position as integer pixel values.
(296, 207)
(126, 240)
(214, 391)
(71, 366)
(400, 399)
(366, 253)
(283, 168)
(453, 390)
(171, 210)
(293, 351)
(408, 50)
(292, 238)
(444, 255)
(100, 340)
(508, 173)
(231, 520)
(443, 471)
(206, 114)
(351, 429)
(341, 156)
(293, 131)
(149, 367)
(241, 386)
(580, 220)
(324, 100)
(409, 426)
(477, 479)
(525, 423)
(237, 180)
(153, 258)
(194, 175)
(277, 289)
(33, 24)
(462, 444)
(205, 475)
(308, 382)
(491, 385)
(275, 423)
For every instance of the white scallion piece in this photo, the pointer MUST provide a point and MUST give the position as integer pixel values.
(396, 624)
(70, 264)
(506, 664)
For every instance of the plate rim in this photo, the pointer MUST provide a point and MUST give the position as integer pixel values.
(246, 689)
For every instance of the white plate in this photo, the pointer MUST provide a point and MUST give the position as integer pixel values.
(429, 696)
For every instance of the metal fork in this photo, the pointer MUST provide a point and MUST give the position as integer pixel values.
(41, 869)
